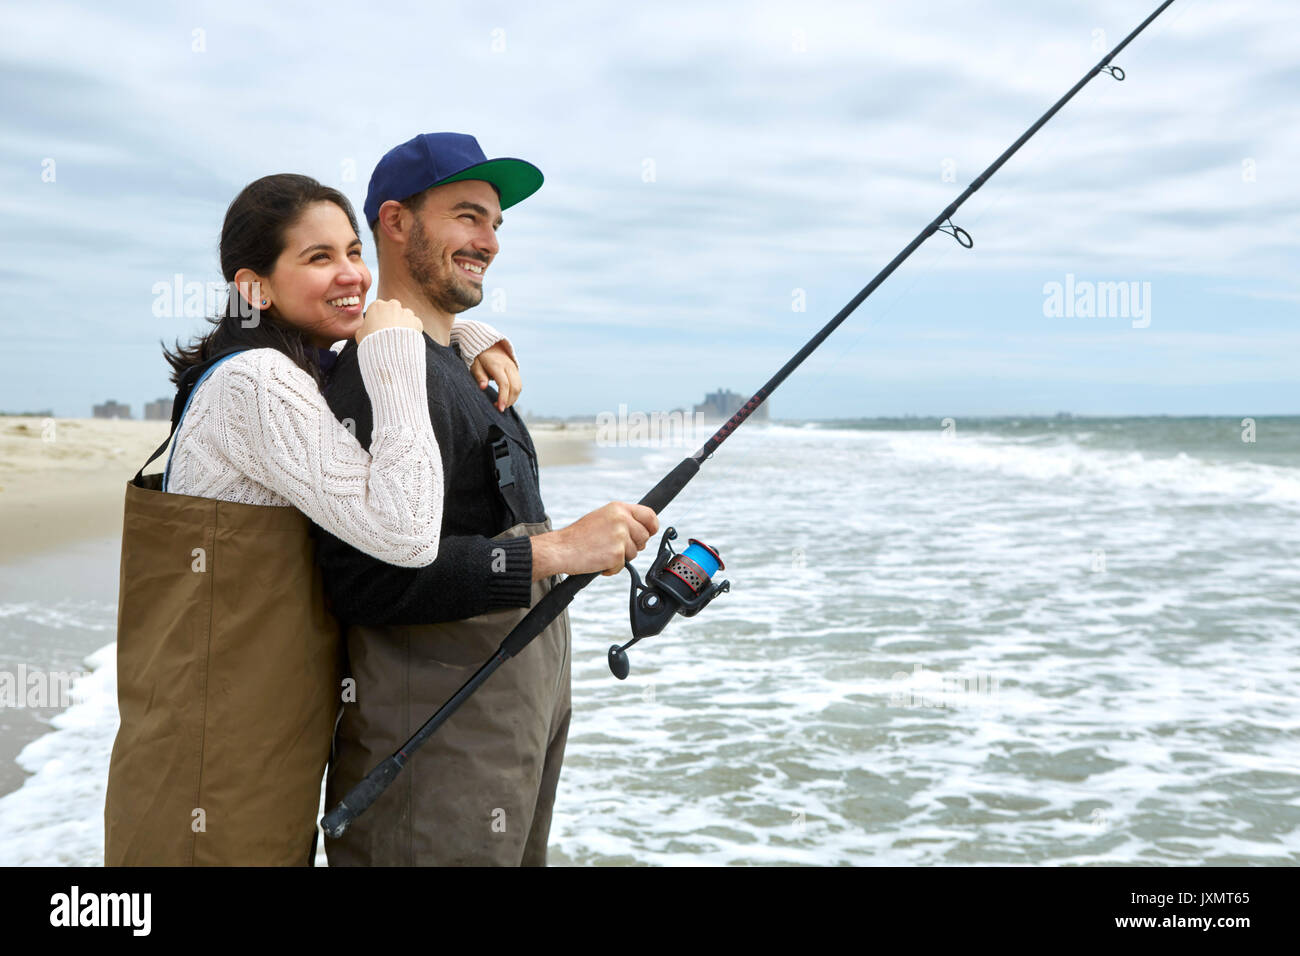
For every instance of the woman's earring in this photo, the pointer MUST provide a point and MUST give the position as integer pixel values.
(264, 303)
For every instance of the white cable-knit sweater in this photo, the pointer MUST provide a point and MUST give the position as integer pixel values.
(258, 431)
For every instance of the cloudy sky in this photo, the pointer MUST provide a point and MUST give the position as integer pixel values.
(708, 168)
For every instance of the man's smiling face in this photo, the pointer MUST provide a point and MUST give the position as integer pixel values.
(453, 241)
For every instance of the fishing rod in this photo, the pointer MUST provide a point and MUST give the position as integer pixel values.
(681, 582)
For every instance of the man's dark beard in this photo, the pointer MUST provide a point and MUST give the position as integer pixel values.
(421, 259)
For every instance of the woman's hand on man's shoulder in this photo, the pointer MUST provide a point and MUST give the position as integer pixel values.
(387, 314)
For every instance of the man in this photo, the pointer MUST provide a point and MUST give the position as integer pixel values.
(481, 791)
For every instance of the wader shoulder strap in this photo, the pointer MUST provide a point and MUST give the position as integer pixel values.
(509, 459)
(190, 380)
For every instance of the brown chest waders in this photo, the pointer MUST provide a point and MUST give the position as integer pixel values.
(228, 669)
(482, 791)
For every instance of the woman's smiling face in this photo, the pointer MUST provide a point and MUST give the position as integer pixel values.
(319, 282)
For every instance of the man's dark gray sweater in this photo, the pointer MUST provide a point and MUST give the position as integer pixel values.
(467, 578)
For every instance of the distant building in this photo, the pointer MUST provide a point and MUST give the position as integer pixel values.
(112, 409)
(721, 405)
(159, 411)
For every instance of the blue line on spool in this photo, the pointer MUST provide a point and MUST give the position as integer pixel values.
(704, 556)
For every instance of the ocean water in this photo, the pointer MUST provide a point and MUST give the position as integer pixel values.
(58, 711)
(1034, 641)
(999, 642)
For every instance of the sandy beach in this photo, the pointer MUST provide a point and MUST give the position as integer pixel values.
(63, 480)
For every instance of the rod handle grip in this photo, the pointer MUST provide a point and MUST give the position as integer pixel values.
(360, 797)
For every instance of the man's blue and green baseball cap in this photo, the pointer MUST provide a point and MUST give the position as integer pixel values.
(432, 159)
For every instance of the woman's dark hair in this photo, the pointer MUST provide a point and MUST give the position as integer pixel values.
(252, 237)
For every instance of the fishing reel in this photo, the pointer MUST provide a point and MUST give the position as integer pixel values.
(677, 583)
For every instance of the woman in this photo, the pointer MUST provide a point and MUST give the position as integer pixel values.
(228, 660)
